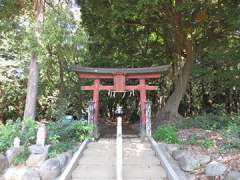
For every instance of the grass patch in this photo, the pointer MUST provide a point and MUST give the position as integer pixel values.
(167, 133)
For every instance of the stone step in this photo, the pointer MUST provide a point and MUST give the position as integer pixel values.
(99, 157)
(138, 153)
(140, 172)
(94, 171)
(146, 178)
(142, 146)
(99, 153)
(99, 161)
(93, 179)
(102, 147)
(104, 161)
(142, 157)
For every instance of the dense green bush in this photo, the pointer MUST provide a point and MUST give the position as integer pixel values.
(62, 135)
(58, 132)
(62, 131)
(208, 121)
(25, 130)
(8, 132)
(211, 121)
(167, 133)
(218, 118)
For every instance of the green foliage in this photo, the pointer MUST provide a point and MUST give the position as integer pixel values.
(218, 118)
(210, 121)
(134, 34)
(21, 157)
(28, 133)
(167, 133)
(207, 144)
(58, 132)
(8, 132)
(62, 131)
(58, 148)
(232, 136)
(62, 44)
(62, 135)
(25, 130)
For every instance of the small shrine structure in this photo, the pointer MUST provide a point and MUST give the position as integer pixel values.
(119, 76)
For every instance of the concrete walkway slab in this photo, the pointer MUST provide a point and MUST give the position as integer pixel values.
(99, 161)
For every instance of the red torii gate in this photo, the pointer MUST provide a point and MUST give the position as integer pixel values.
(119, 76)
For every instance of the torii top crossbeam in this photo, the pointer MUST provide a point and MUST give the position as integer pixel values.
(130, 73)
(120, 75)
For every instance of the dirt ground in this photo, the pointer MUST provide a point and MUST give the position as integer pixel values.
(108, 128)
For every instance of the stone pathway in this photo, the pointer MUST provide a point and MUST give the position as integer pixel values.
(99, 161)
(140, 162)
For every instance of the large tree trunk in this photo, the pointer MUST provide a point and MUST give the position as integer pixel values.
(31, 99)
(32, 86)
(170, 110)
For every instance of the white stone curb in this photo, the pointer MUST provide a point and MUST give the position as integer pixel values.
(171, 172)
(119, 150)
(72, 164)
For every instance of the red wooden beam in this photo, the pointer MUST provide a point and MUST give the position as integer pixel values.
(111, 88)
(100, 88)
(137, 88)
(95, 76)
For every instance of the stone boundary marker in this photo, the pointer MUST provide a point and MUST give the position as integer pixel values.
(66, 175)
(172, 170)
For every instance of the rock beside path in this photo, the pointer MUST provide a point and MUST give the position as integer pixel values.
(63, 160)
(21, 173)
(50, 169)
(215, 169)
(233, 175)
(178, 154)
(12, 153)
(3, 163)
(203, 159)
(171, 147)
(35, 160)
(39, 154)
(37, 149)
(10, 174)
(27, 173)
(188, 163)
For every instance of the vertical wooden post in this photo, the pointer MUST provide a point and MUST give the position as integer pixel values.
(96, 100)
(96, 90)
(142, 102)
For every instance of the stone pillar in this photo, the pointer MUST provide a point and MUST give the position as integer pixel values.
(41, 135)
(16, 142)
(148, 118)
(91, 114)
